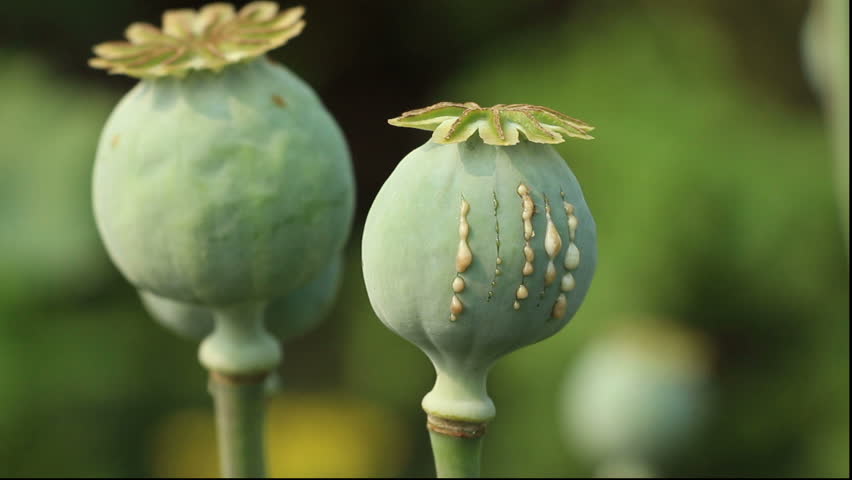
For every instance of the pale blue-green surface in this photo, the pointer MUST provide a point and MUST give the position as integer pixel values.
(290, 316)
(409, 252)
(223, 187)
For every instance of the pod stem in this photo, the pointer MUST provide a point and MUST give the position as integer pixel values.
(240, 354)
(826, 39)
(625, 467)
(456, 447)
(837, 13)
(239, 403)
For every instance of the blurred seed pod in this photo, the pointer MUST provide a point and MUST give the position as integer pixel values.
(635, 394)
(287, 317)
(220, 178)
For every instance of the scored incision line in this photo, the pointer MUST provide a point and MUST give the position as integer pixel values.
(498, 261)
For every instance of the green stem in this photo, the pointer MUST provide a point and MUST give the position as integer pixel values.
(837, 24)
(826, 38)
(240, 354)
(456, 457)
(239, 424)
(625, 467)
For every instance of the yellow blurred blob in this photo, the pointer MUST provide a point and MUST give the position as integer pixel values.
(308, 435)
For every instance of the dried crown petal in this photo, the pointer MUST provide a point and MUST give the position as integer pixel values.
(208, 39)
(497, 125)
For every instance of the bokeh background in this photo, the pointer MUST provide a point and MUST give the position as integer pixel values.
(712, 179)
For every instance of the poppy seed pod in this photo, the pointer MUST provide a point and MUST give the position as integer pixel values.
(636, 394)
(479, 243)
(287, 317)
(220, 179)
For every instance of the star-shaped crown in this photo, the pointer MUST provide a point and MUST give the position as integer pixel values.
(497, 125)
(207, 39)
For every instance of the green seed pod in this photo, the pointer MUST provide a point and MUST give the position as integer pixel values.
(207, 174)
(287, 317)
(220, 179)
(478, 245)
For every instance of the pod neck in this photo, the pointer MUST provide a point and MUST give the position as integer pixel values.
(460, 395)
(240, 345)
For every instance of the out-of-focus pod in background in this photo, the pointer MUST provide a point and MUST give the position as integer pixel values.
(636, 395)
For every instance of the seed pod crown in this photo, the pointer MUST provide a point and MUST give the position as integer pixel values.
(497, 125)
(208, 39)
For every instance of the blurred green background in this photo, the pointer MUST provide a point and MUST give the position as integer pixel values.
(711, 180)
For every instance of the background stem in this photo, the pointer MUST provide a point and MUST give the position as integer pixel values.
(625, 467)
(837, 101)
(456, 457)
(239, 403)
